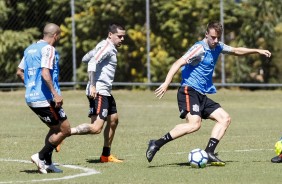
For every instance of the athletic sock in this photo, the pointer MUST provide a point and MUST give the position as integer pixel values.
(211, 145)
(106, 151)
(48, 158)
(165, 139)
(46, 152)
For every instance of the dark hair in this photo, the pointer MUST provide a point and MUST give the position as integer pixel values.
(114, 26)
(216, 26)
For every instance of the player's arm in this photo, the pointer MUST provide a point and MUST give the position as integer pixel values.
(20, 74)
(47, 62)
(86, 58)
(91, 73)
(103, 50)
(160, 91)
(99, 53)
(192, 57)
(20, 70)
(241, 51)
(48, 81)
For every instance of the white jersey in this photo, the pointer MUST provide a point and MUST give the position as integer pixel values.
(103, 61)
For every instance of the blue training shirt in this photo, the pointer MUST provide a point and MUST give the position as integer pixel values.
(201, 61)
(37, 56)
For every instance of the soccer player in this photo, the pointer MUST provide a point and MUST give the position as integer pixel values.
(278, 150)
(102, 62)
(197, 66)
(39, 70)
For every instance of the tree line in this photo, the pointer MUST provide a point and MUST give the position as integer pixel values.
(175, 26)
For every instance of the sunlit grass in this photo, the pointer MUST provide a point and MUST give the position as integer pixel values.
(247, 145)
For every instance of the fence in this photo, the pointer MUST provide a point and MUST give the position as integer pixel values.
(68, 75)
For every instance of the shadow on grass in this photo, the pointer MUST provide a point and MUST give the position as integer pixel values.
(186, 164)
(93, 161)
(30, 171)
(170, 165)
(96, 161)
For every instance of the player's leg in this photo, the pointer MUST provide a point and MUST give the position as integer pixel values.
(185, 98)
(277, 159)
(95, 127)
(57, 134)
(222, 121)
(193, 123)
(59, 130)
(97, 116)
(56, 120)
(109, 133)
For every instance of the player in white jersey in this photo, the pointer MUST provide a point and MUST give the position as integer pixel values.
(39, 70)
(102, 62)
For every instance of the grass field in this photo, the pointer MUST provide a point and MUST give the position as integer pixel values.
(247, 146)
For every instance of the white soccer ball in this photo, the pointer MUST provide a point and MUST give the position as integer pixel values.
(198, 158)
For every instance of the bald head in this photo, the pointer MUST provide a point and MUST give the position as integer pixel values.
(51, 29)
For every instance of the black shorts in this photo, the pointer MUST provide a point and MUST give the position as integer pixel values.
(50, 115)
(102, 106)
(190, 100)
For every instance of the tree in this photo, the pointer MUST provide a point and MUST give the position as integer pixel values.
(175, 26)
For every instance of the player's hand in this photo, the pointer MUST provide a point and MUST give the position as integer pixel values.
(266, 53)
(93, 92)
(58, 101)
(160, 91)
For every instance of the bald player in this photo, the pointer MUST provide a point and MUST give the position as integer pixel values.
(39, 71)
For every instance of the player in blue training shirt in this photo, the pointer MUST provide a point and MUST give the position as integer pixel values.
(39, 70)
(197, 67)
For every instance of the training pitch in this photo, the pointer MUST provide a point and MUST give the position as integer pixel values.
(247, 146)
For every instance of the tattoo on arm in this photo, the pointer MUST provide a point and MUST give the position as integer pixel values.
(92, 78)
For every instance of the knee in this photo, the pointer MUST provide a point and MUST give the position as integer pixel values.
(193, 126)
(227, 120)
(64, 128)
(114, 124)
(66, 132)
(113, 121)
(95, 130)
(196, 126)
(194, 122)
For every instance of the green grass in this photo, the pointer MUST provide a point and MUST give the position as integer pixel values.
(247, 146)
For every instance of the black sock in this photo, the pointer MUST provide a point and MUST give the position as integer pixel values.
(48, 158)
(46, 152)
(106, 151)
(165, 139)
(211, 145)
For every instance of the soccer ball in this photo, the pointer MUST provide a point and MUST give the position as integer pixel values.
(198, 158)
(278, 147)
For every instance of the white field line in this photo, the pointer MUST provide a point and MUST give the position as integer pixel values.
(86, 172)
